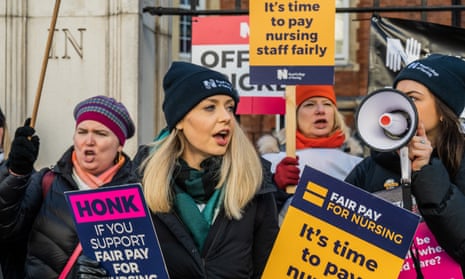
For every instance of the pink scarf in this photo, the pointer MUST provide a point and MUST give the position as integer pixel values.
(96, 181)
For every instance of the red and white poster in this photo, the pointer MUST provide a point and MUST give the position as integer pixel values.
(222, 44)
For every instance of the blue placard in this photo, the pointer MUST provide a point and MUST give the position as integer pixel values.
(357, 212)
(115, 228)
(292, 75)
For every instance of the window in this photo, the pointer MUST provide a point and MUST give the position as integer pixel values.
(185, 29)
(342, 34)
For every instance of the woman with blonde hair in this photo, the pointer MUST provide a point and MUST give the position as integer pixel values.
(5, 140)
(210, 197)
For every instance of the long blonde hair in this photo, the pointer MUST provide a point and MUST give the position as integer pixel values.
(241, 173)
(6, 141)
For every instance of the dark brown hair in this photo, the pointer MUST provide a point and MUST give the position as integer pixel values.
(450, 141)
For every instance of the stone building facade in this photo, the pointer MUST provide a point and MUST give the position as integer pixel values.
(115, 48)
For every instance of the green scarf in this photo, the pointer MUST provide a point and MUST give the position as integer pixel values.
(190, 190)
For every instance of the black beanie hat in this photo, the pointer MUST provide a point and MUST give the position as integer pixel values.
(186, 85)
(443, 75)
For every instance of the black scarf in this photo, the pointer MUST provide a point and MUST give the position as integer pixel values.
(199, 184)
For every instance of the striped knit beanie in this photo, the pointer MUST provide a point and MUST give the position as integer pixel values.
(109, 112)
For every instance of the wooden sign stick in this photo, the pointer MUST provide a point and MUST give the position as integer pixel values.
(291, 127)
(44, 63)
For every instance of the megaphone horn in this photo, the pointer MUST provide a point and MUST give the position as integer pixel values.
(386, 119)
(395, 124)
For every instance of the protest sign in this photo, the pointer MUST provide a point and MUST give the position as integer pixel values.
(221, 43)
(292, 42)
(335, 230)
(433, 260)
(115, 228)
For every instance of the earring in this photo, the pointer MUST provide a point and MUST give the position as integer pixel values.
(118, 157)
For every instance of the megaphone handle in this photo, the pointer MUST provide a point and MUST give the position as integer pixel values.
(405, 165)
(407, 196)
(406, 172)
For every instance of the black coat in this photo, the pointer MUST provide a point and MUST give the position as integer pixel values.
(439, 197)
(13, 250)
(233, 249)
(378, 172)
(52, 237)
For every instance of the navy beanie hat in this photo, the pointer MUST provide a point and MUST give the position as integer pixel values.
(443, 75)
(109, 112)
(187, 84)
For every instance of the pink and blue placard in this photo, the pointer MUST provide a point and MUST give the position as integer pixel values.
(115, 228)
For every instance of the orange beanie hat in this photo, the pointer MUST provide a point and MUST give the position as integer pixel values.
(304, 92)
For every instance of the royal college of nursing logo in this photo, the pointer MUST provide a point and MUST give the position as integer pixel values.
(284, 74)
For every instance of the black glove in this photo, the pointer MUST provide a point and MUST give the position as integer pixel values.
(87, 268)
(24, 150)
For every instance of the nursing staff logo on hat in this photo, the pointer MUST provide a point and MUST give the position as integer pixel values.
(443, 75)
(211, 84)
(425, 69)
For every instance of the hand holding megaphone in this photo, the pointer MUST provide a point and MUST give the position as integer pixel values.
(420, 149)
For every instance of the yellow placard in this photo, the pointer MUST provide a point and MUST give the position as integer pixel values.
(306, 247)
(299, 32)
(335, 230)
